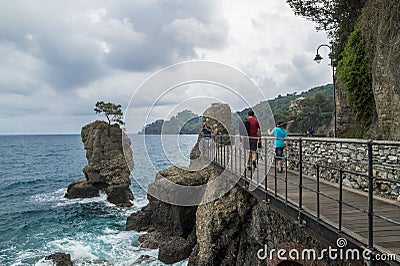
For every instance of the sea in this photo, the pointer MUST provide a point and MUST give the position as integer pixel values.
(36, 220)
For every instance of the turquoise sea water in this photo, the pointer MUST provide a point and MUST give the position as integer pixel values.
(35, 218)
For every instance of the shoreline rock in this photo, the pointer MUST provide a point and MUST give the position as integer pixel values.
(60, 259)
(109, 162)
(170, 228)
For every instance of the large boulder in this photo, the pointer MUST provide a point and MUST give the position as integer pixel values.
(110, 159)
(219, 228)
(60, 259)
(170, 228)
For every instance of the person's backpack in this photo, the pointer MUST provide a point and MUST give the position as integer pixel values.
(244, 127)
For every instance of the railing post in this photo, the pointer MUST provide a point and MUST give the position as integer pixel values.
(252, 169)
(223, 150)
(240, 161)
(286, 175)
(300, 175)
(217, 149)
(275, 175)
(214, 150)
(231, 154)
(286, 185)
(251, 164)
(235, 154)
(266, 172)
(244, 161)
(340, 198)
(265, 164)
(370, 198)
(318, 192)
(258, 172)
(220, 151)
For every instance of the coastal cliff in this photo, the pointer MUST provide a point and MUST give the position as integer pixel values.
(379, 24)
(108, 167)
(170, 228)
(228, 229)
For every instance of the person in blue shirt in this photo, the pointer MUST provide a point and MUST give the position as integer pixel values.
(280, 142)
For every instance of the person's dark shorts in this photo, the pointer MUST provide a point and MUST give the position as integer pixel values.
(279, 153)
(250, 145)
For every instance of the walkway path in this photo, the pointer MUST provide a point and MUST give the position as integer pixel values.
(346, 210)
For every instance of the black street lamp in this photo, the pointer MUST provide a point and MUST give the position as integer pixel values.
(318, 59)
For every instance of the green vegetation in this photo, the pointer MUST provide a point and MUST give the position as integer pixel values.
(336, 17)
(352, 50)
(355, 72)
(185, 122)
(153, 128)
(356, 132)
(112, 112)
(315, 110)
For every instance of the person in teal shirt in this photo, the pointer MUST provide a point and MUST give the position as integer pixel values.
(280, 142)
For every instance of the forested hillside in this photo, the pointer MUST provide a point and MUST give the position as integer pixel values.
(185, 122)
(364, 39)
(316, 109)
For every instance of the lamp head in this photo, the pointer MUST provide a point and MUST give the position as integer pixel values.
(318, 58)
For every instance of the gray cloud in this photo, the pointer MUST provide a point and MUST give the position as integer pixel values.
(60, 57)
(80, 41)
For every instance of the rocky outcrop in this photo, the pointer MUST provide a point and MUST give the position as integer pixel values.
(171, 228)
(60, 259)
(218, 114)
(345, 120)
(380, 23)
(382, 27)
(219, 229)
(109, 160)
(170, 216)
(238, 229)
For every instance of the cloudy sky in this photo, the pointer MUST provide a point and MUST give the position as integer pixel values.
(59, 57)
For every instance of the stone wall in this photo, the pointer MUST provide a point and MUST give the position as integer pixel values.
(352, 156)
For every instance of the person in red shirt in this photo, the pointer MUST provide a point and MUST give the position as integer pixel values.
(254, 135)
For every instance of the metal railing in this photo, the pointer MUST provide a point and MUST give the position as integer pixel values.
(228, 152)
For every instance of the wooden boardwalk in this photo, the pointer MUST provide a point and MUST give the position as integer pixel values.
(354, 219)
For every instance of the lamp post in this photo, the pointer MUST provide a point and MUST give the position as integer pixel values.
(318, 59)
